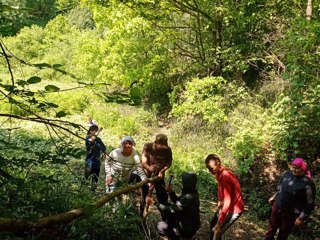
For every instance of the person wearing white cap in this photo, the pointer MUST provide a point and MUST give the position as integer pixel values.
(120, 164)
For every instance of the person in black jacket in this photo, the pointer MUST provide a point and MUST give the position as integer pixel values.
(181, 219)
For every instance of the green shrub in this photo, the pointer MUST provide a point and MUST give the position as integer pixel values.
(258, 204)
(210, 99)
(249, 135)
(72, 102)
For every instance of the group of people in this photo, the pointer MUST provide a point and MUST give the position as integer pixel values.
(292, 203)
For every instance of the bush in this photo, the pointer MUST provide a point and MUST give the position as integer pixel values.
(249, 134)
(210, 99)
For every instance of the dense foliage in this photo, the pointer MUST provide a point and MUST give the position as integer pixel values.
(239, 78)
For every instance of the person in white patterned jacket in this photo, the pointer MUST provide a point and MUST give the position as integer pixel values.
(123, 165)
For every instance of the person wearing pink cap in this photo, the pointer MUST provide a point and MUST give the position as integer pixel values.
(293, 202)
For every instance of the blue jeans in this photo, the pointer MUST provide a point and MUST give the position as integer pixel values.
(92, 168)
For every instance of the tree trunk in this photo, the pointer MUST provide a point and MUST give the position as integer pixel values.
(20, 226)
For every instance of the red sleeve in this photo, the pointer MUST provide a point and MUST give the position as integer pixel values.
(226, 192)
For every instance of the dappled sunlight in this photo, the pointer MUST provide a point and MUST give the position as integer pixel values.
(270, 170)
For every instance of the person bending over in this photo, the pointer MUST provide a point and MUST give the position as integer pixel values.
(181, 220)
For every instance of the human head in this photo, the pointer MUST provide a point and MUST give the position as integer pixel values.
(213, 163)
(161, 141)
(299, 167)
(93, 129)
(127, 144)
(127, 139)
(189, 181)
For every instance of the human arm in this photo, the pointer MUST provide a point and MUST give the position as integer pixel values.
(173, 196)
(138, 167)
(310, 193)
(89, 143)
(176, 208)
(102, 146)
(107, 168)
(272, 199)
(95, 144)
(145, 160)
(167, 165)
(145, 165)
(227, 189)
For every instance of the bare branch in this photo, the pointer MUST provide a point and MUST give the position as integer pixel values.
(8, 62)
(46, 121)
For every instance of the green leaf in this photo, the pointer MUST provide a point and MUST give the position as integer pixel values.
(33, 80)
(61, 114)
(52, 105)
(22, 83)
(28, 93)
(9, 88)
(42, 105)
(33, 101)
(51, 88)
(57, 65)
(13, 101)
(42, 65)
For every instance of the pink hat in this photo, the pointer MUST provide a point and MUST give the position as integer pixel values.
(299, 162)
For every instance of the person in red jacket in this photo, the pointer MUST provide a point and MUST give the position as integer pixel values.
(230, 201)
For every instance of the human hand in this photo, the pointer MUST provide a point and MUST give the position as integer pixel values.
(271, 200)
(298, 222)
(108, 180)
(149, 200)
(153, 168)
(216, 229)
(169, 188)
(151, 186)
(161, 174)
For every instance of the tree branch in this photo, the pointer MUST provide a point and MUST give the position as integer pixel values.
(46, 121)
(8, 63)
(20, 226)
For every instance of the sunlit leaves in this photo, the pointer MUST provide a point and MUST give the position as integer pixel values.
(209, 99)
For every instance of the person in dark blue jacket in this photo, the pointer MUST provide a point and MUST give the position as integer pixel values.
(94, 147)
(293, 202)
(181, 220)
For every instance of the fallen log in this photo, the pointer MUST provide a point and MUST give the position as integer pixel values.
(22, 226)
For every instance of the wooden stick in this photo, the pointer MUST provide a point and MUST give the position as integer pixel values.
(146, 209)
